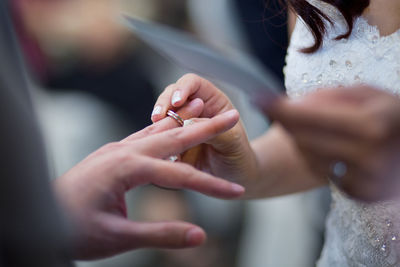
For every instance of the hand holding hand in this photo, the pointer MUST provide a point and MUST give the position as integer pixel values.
(229, 154)
(93, 191)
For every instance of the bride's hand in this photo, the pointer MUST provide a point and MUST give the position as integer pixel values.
(355, 130)
(228, 155)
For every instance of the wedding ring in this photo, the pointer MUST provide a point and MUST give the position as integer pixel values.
(173, 158)
(176, 117)
(181, 123)
(338, 169)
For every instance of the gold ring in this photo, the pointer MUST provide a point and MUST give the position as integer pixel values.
(176, 117)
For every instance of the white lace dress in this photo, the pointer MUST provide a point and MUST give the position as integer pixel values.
(357, 234)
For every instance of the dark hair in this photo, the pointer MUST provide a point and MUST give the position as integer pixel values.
(314, 17)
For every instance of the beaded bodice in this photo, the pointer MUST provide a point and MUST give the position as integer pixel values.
(365, 57)
(357, 234)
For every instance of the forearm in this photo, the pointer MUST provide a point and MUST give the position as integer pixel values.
(280, 167)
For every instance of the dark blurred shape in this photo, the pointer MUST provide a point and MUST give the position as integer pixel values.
(124, 85)
(32, 232)
(79, 45)
(172, 12)
(265, 24)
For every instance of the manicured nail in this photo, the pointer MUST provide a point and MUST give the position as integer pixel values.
(156, 111)
(194, 237)
(176, 97)
(238, 189)
(230, 113)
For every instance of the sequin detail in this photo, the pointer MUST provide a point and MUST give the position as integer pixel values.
(358, 234)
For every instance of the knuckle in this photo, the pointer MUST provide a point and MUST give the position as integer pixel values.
(188, 176)
(164, 96)
(122, 156)
(178, 139)
(105, 149)
(130, 167)
(194, 79)
(189, 76)
(111, 146)
(187, 172)
(169, 88)
(150, 130)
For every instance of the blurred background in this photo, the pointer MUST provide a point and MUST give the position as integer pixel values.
(96, 83)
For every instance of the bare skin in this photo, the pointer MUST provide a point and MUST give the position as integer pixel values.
(280, 162)
(92, 192)
(359, 126)
(384, 14)
(264, 172)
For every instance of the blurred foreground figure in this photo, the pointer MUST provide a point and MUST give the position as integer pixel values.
(81, 46)
(91, 195)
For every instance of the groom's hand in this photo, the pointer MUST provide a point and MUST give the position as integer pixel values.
(93, 191)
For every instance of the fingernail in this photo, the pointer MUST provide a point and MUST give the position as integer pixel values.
(194, 237)
(231, 113)
(238, 189)
(156, 111)
(176, 97)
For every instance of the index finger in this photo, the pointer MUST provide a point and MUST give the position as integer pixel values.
(178, 140)
(191, 110)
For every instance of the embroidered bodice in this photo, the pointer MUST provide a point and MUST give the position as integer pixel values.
(357, 234)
